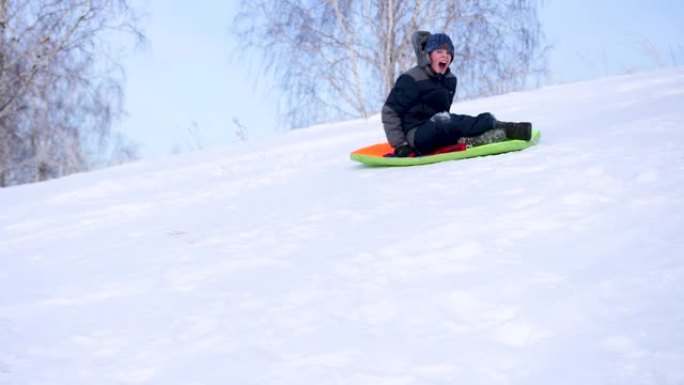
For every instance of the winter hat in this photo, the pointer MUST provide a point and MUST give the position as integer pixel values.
(437, 41)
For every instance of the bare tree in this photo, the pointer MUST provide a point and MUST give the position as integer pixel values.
(241, 132)
(339, 58)
(60, 85)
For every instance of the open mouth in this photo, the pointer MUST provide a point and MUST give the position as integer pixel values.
(442, 65)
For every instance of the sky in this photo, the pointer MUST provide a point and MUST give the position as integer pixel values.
(281, 261)
(186, 90)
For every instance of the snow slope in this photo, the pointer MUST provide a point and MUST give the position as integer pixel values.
(283, 262)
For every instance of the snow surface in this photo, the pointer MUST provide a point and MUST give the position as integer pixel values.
(283, 262)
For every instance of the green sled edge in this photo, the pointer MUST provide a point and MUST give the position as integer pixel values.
(487, 149)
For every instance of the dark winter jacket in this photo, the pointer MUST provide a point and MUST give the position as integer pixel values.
(416, 96)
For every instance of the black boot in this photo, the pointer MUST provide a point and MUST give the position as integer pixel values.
(522, 131)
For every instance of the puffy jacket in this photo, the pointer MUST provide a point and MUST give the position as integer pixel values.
(416, 96)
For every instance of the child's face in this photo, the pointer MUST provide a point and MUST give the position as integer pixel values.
(440, 60)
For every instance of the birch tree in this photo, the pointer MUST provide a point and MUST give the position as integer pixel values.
(339, 58)
(60, 86)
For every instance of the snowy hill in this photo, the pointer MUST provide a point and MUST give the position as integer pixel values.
(283, 262)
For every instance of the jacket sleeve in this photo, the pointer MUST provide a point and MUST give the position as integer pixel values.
(453, 84)
(402, 96)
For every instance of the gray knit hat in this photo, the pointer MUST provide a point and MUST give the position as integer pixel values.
(437, 41)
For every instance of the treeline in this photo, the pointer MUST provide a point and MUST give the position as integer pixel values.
(60, 87)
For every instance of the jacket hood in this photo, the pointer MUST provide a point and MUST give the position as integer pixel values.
(419, 40)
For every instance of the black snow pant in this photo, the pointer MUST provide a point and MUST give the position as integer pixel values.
(445, 129)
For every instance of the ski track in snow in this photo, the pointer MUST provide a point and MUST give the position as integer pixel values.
(282, 262)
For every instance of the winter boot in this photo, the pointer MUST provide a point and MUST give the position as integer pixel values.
(491, 136)
(522, 131)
